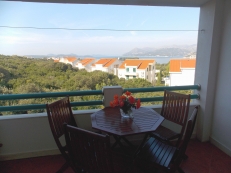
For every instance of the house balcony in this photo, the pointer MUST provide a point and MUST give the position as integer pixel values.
(29, 135)
(26, 136)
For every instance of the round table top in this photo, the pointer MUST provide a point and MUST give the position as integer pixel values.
(109, 120)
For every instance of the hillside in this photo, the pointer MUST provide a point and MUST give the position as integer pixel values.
(167, 51)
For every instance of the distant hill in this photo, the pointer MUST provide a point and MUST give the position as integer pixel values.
(175, 50)
(167, 51)
(51, 55)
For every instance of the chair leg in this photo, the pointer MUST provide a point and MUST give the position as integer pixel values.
(185, 157)
(180, 170)
(63, 168)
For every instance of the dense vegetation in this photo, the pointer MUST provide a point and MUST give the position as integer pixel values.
(20, 75)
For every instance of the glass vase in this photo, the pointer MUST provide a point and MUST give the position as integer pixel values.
(126, 115)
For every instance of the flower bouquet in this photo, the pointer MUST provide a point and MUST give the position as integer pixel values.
(126, 102)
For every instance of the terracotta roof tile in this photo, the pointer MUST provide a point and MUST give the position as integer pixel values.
(177, 64)
(106, 62)
(71, 59)
(139, 63)
(86, 61)
(56, 60)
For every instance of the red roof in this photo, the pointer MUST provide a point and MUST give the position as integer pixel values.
(106, 62)
(71, 59)
(140, 64)
(86, 61)
(177, 64)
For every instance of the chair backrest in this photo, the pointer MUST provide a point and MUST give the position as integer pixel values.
(188, 134)
(88, 150)
(60, 112)
(175, 108)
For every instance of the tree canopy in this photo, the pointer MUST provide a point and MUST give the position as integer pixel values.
(29, 75)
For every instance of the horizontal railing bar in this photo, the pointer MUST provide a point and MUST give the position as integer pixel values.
(92, 92)
(85, 103)
(96, 102)
(86, 93)
(51, 94)
(43, 106)
(193, 96)
(169, 88)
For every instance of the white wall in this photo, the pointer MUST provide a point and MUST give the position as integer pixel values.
(186, 77)
(25, 136)
(213, 74)
(221, 126)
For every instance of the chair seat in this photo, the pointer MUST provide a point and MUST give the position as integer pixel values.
(155, 154)
(158, 154)
(165, 134)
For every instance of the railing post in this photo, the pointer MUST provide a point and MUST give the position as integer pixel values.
(109, 92)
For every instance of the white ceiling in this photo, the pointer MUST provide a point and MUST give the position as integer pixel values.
(180, 3)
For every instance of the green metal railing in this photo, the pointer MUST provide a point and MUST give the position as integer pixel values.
(86, 93)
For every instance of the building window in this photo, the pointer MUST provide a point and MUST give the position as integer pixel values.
(147, 69)
(150, 67)
(127, 69)
(147, 76)
(134, 69)
(127, 77)
(134, 77)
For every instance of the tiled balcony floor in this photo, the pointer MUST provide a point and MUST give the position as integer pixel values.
(203, 158)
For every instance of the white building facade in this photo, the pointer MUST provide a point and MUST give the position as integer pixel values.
(137, 68)
(86, 64)
(106, 65)
(182, 72)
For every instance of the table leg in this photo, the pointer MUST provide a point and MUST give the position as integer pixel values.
(127, 141)
(117, 138)
(142, 143)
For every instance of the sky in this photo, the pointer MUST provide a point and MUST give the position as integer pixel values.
(87, 38)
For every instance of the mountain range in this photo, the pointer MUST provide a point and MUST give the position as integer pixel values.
(182, 51)
(186, 50)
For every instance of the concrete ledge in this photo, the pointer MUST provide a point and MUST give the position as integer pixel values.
(29, 154)
(29, 135)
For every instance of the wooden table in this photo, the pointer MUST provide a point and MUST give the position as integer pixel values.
(110, 121)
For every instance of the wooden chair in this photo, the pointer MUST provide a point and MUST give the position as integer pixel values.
(60, 112)
(158, 154)
(175, 108)
(91, 152)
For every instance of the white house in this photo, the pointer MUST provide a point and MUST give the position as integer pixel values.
(182, 72)
(106, 65)
(85, 64)
(138, 68)
(69, 60)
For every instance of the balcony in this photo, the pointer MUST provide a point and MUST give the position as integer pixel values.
(29, 135)
(26, 136)
(209, 159)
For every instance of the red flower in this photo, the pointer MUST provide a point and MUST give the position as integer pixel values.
(112, 104)
(121, 104)
(128, 93)
(131, 100)
(125, 102)
(138, 104)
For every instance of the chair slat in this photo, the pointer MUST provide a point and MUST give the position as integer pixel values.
(60, 112)
(158, 154)
(92, 152)
(175, 108)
